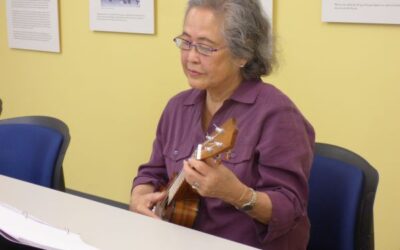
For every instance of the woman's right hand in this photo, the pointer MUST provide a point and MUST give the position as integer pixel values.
(144, 198)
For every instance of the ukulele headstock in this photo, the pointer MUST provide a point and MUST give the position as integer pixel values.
(221, 140)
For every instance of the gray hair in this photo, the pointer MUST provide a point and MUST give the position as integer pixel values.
(246, 31)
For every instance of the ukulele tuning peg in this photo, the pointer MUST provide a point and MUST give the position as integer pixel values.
(208, 149)
(209, 138)
(218, 129)
(228, 155)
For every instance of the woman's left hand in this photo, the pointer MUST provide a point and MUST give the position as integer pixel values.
(217, 181)
(213, 180)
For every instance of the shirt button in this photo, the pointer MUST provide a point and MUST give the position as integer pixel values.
(232, 155)
(176, 152)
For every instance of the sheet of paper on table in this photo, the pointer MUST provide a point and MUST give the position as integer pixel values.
(18, 226)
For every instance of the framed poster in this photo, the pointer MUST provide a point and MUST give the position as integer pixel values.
(365, 11)
(33, 25)
(132, 16)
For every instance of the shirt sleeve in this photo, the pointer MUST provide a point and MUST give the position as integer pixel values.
(154, 172)
(285, 154)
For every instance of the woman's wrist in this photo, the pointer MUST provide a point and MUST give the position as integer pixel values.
(247, 199)
(240, 196)
(142, 189)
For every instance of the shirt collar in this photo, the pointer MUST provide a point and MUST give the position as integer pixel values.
(195, 96)
(245, 93)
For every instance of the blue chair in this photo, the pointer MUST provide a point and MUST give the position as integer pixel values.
(342, 193)
(32, 149)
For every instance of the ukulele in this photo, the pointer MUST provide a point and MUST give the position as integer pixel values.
(181, 203)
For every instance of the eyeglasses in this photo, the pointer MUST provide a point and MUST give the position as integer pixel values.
(201, 48)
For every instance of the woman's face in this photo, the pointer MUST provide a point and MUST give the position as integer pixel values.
(217, 71)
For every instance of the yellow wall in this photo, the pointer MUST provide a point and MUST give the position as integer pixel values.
(110, 89)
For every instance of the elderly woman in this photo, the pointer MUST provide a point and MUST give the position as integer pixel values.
(259, 195)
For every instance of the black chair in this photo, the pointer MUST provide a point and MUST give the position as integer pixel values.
(342, 193)
(32, 149)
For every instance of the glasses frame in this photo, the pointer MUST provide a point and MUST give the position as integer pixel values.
(202, 49)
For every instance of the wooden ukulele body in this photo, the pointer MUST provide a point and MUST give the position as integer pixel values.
(182, 210)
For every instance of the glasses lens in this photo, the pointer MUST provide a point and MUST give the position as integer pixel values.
(200, 48)
(177, 42)
(203, 49)
(181, 43)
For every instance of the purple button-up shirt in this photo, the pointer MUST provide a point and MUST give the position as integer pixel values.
(272, 154)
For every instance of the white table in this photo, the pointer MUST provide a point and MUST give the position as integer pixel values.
(104, 226)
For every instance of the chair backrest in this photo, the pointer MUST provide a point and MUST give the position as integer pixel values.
(32, 149)
(342, 193)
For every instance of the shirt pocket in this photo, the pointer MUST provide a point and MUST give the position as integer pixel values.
(241, 162)
(242, 153)
(174, 157)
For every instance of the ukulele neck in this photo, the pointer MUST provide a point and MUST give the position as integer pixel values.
(173, 189)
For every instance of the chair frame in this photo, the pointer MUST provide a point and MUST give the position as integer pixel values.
(58, 182)
(364, 231)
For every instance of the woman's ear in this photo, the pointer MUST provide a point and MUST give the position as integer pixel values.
(240, 62)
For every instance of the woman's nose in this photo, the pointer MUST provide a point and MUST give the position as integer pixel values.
(193, 55)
